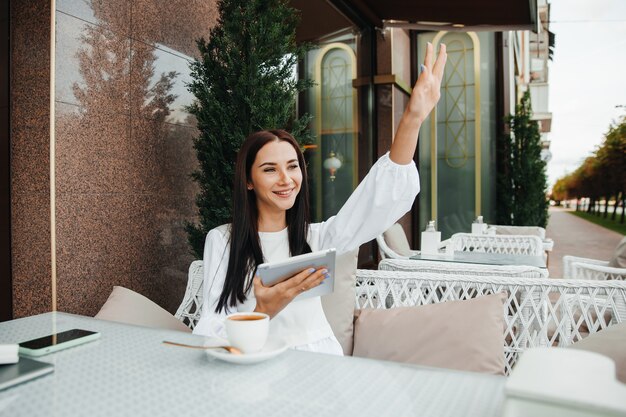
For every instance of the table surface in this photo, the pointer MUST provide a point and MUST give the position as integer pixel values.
(129, 372)
(485, 258)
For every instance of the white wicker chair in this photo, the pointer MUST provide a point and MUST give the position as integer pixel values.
(450, 268)
(531, 319)
(508, 244)
(189, 310)
(548, 244)
(591, 269)
(385, 251)
(575, 267)
(519, 230)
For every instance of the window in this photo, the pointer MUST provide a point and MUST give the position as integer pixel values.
(332, 159)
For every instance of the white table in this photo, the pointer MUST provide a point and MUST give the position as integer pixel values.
(485, 258)
(128, 372)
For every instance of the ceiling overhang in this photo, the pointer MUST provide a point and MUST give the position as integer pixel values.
(320, 17)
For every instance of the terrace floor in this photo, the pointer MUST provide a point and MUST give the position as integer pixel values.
(575, 236)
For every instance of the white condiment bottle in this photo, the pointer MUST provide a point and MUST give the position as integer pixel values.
(478, 227)
(431, 239)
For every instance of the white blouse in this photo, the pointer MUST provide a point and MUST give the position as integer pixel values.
(384, 195)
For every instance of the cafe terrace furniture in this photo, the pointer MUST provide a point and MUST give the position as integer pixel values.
(127, 306)
(129, 372)
(580, 307)
(386, 252)
(189, 310)
(585, 268)
(484, 258)
(521, 271)
(592, 269)
(531, 319)
(548, 244)
(393, 243)
(507, 244)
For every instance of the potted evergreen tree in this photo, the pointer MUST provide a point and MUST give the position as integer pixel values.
(521, 178)
(244, 81)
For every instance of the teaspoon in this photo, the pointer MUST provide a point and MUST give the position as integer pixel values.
(231, 349)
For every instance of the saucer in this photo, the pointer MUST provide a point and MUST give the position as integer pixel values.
(269, 351)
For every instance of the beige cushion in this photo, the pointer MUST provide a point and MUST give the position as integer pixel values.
(397, 241)
(126, 306)
(619, 256)
(610, 342)
(521, 230)
(466, 335)
(339, 306)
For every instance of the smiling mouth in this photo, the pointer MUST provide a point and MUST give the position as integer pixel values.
(286, 193)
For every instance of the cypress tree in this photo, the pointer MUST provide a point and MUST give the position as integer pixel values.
(244, 81)
(522, 182)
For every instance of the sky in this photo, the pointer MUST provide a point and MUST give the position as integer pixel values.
(587, 78)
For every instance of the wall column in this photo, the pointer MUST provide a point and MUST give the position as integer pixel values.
(393, 86)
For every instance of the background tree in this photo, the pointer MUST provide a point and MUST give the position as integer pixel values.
(612, 156)
(586, 174)
(560, 191)
(601, 175)
(521, 182)
(243, 82)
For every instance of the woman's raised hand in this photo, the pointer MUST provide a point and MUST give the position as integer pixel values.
(424, 98)
(426, 91)
(271, 300)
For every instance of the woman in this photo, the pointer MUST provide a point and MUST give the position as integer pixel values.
(270, 223)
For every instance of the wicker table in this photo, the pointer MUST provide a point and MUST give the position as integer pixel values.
(128, 372)
(485, 258)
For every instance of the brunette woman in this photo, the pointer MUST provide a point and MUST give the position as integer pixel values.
(271, 223)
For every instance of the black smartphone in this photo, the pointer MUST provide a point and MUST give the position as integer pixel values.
(56, 341)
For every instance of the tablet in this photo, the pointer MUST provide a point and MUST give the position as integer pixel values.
(22, 371)
(272, 273)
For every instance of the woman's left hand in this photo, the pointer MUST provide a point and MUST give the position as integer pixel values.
(271, 300)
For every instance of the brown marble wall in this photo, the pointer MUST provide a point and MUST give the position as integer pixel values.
(124, 147)
(124, 151)
(30, 157)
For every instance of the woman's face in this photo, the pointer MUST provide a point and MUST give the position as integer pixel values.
(275, 177)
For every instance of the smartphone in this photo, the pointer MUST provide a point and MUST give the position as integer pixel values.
(57, 341)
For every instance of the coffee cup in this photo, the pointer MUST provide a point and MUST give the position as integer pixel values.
(247, 331)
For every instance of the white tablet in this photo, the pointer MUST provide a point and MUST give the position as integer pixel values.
(272, 273)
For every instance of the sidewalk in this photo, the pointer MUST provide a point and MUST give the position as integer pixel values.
(575, 236)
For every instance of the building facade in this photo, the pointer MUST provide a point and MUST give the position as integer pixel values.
(96, 145)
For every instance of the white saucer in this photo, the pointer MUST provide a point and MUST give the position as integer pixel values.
(269, 351)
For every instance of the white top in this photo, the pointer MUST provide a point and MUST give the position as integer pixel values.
(384, 195)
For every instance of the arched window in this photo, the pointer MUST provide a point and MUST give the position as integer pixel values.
(458, 138)
(333, 161)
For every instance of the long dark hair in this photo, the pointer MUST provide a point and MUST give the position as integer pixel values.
(245, 247)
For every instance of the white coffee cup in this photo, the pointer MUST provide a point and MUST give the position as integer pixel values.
(247, 331)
